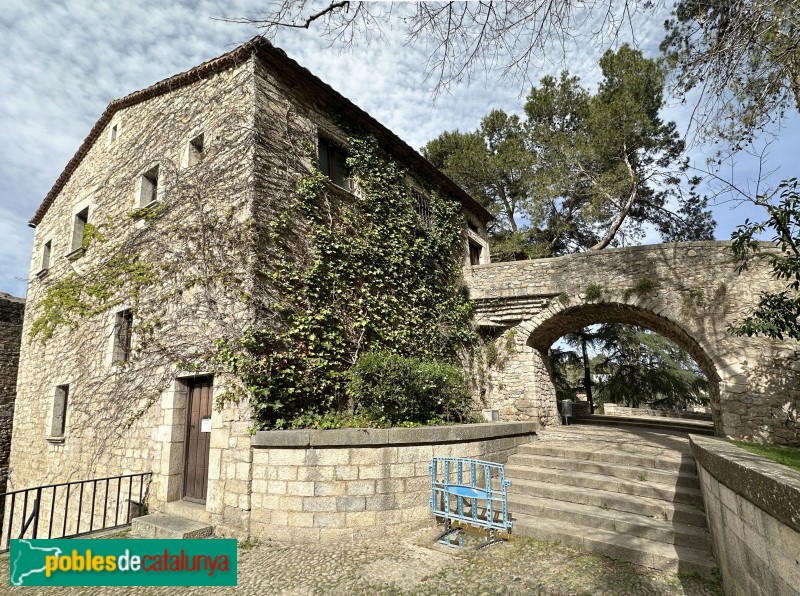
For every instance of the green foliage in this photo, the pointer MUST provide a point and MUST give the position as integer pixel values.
(593, 292)
(393, 389)
(777, 314)
(630, 366)
(564, 299)
(642, 288)
(375, 278)
(742, 56)
(77, 296)
(582, 170)
(788, 456)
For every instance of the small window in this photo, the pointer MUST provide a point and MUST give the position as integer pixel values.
(148, 187)
(58, 423)
(123, 334)
(48, 246)
(422, 206)
(471, 225)
(113, 133)
(332, 164)
(475, 251)
(196, 150)
(81, 219)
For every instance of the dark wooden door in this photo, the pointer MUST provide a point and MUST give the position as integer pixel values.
(198, 435)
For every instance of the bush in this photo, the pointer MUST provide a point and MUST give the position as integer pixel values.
(394, 389)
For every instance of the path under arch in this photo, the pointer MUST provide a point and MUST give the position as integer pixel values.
(688, 292)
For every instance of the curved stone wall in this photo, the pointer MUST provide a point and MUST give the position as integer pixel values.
(753, 509)
(354, 484)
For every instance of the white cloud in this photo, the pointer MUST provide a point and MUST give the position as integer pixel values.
(62, 64)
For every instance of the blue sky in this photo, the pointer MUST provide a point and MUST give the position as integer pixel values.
(64, 61)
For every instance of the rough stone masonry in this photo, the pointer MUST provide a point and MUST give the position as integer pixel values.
(11, 313)
(689, 292)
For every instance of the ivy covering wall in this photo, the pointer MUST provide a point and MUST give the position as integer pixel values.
(283, 321)
(378, 278)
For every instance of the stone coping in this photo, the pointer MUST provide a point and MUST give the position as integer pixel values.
(386, 437)
(768, 485)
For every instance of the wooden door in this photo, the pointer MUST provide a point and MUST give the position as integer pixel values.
(198, 435)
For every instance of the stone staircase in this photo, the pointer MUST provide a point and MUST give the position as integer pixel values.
(629, 494)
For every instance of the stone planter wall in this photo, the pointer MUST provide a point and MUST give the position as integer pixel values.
(353, 484)
(753, 509)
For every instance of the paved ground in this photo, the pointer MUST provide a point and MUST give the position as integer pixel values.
(415, 566)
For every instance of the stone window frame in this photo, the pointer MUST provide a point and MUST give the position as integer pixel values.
(56, 431)
(46, 259)
(472, 238)
(114, 131)
(76, 233)
(113, 349)
(329, 142)
(145, 174)
(189, 156)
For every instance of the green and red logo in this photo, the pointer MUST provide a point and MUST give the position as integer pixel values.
(125, 562)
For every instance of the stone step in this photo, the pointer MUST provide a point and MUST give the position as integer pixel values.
(640, 488)
(654, 424)
(667, 477)
(658, 530)
(162, 525)
(607, 455)
(641, 551)
(645, 506)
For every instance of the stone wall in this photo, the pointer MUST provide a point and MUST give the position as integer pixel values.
(358, 484)
(132, 419)
(753, 509)
(688, 292)
(11, 313)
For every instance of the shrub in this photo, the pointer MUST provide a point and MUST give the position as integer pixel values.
(394, 389)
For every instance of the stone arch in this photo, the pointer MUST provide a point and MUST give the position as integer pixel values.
(689, 292)
(559, 319)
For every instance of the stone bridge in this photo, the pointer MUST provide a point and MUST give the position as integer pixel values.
(687, 292)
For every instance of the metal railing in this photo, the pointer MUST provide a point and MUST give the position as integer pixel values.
(470, 491)
(71, 509)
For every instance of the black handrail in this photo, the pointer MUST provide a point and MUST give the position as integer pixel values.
(19, 522)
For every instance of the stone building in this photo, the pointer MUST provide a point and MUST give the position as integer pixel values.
(11, 312)
(216, 146)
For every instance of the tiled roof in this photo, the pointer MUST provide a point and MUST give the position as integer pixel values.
(278, 58)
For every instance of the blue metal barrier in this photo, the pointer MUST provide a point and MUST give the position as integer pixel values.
(470, 491)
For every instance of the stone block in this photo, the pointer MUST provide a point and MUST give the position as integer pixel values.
(349, 437)
(351, 503)
(373, 455)
(319, 504)
(329, 489)
(346, 472)
(328, 457)
(329, 520)
(280, 438)
(373, 472)
(315, 473)
(287, 457)
(300, 519)
(380, 502)
(360, 487)
(300, 489)
(360, 519)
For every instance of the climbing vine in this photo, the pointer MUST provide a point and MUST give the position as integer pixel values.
(376, 277)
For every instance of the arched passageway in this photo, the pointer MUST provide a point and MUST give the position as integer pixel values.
(575, 318)
(687, 292)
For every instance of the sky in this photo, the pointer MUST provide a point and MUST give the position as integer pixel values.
(63, 61)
